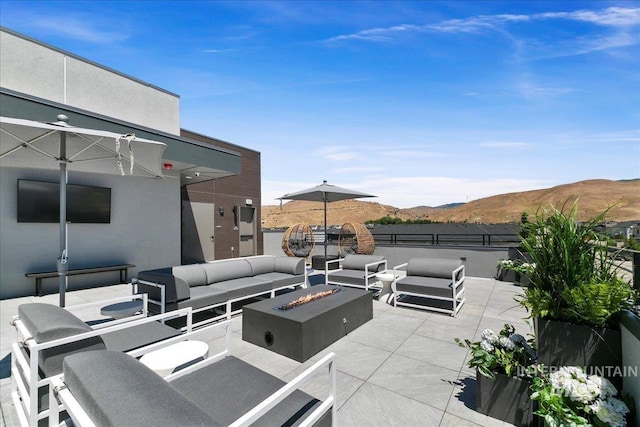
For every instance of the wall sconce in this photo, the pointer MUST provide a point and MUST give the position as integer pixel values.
(221, 211)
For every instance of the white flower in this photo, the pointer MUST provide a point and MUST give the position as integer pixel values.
(486, 346)
(506, 343)
(611, 411)
(490, 336)
(605, 388)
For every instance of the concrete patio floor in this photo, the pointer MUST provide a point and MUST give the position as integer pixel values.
(402, 368)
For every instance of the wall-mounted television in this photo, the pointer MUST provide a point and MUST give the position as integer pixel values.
(39, 201)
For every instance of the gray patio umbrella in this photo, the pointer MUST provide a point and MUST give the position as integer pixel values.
(325, 193)
(32, 144)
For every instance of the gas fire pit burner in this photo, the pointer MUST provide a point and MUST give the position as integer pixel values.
(306, 299)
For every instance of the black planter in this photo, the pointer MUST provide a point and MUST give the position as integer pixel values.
(505, 398)
(598, 350)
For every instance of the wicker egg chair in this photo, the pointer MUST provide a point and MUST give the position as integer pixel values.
(298, 241)
(355, 238)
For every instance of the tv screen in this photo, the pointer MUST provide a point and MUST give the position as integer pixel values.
(39, 201)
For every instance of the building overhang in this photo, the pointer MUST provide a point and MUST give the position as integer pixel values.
(190, 160)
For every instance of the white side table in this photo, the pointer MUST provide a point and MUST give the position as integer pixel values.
(121, 310)
(386, 279)
(172, 357)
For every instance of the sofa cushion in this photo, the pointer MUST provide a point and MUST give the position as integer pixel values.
(238, 288)
(47, 322)
(204, 296)
(358, 262)
(220, 271)
(425, 285)
(133, 337)
(352, 277)
(246, 387)
(193, 274)
(279, 280)
(432, 267)
(261, 264)
(116, 390)
(290, 265)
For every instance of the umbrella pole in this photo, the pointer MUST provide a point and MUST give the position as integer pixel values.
(62, 261)
(325, 235)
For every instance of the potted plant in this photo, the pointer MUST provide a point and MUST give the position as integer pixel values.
(570, 397)
(504, 366)
(574, 291)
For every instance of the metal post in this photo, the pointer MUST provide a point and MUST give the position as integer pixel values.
(62, 261)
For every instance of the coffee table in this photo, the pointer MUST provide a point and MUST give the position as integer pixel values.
(121, 310)
(175, 356)
(303, 331)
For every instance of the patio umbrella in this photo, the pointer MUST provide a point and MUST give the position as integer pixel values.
(32, 144)
(325, 193)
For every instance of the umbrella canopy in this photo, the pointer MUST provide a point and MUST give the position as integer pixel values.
(31, 144)
(325, 193)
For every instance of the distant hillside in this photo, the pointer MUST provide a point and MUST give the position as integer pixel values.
(593, 196)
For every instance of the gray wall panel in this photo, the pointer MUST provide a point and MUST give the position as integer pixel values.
(144, 230)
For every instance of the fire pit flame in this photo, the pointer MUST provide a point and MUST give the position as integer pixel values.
(307, 298)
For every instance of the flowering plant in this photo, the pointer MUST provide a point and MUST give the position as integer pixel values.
(504, 353)
(524, 268)
(569, 397)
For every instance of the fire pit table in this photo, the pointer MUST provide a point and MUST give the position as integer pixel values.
(303, 330)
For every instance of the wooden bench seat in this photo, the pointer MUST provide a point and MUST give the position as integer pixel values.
(73, 272)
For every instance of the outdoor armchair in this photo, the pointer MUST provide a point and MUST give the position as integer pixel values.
(430, 284)
(220, 390)
(358, 271)
(46, 334)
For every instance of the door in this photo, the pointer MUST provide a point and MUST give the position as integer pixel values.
(198, 236)
(247, 230)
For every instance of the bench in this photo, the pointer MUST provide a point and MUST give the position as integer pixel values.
(49, 274)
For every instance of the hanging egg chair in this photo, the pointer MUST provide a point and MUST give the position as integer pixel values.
(355, 238)
(298, 241)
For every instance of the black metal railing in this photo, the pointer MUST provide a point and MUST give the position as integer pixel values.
(474, 239)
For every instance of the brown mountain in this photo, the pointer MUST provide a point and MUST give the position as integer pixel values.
(593, 196)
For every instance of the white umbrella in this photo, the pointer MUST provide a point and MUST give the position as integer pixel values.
(325, 193)
(32, 144)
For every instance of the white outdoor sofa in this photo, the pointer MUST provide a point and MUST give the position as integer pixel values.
(218, 285)
(220, 390)
(355, 270)
(46, 334)
(430, 284)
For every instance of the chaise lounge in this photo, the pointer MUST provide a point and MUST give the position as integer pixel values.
(221, 390)
(430, 284)
(219, 284)
(356, 270)
(46, 334)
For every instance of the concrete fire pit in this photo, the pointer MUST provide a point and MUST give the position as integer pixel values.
(302, 331)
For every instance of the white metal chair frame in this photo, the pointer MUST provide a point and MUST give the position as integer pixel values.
(61, 398)
(457, 292)
(25, 376)
(370, 271)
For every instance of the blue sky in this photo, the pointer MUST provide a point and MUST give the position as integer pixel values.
(419, 103)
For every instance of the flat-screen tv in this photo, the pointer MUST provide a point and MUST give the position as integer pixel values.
(39, 201)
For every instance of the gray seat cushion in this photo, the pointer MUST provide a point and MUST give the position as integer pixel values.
(193, 274)
(352, 277)
(47, 322)
(117, 390)
(204, 296)
(238, 288)
(358, 262)
(128, 339)
(428, 286)
(245, 386)
(279, 280)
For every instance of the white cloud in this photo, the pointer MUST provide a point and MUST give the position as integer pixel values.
(613, 16)
(82, 28)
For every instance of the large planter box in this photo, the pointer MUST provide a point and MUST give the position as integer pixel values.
(505, 398)
(599, 350)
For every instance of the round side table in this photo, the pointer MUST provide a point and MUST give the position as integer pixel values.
(175, 356)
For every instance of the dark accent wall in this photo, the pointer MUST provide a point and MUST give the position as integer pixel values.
(227, 193)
